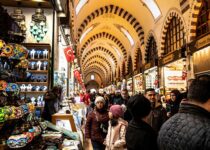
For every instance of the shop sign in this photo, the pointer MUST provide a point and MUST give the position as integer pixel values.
(202, 42)
(147, 66)
(135, 72)
(171, 57)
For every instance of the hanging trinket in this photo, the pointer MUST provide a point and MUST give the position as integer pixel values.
(20, 19)
(38, 25)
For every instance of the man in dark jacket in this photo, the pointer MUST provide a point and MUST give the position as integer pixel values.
(124, 98)
(139, 134)
(158, 115)
(189, 129)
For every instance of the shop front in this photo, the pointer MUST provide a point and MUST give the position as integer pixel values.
(151, 76)
(130, 86)
(138, 83)
(173, 72)
(200, 51)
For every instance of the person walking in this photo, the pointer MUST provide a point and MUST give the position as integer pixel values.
(189, 129)
(140, 135)
(97, 124)
(158, 115)
(115, 139)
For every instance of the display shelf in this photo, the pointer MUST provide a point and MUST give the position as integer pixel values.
(33, 92)
(37, 83)
(37, 59)
(38, 71)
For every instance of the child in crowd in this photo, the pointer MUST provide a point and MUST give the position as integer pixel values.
(115, 139)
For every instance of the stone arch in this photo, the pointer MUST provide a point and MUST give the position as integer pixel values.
(97, 62)
(123, 70)
(172, 13)
(138, 62)
(107, 36)
(150, 37)
(129, 67)
(92, 72)
(117, 11)
(98, 57)
(100, 48)
(194, 19)
(94, 68)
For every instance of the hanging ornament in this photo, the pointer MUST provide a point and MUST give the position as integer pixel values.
(19, 18)
(38, 25)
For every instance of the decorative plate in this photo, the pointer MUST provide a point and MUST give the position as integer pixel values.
(7, 51)
(2, 44)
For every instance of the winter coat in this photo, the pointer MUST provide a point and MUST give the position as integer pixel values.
(157, 117)
(92, 126)
(140, 136)
(189, 129)
(115, 139)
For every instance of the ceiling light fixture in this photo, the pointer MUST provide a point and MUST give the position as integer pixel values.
(80, 5)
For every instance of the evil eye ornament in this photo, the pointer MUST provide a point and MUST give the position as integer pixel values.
(2, 115)
(12, 87)
(3, 85)
(17, 141)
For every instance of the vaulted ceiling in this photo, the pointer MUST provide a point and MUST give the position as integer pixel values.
(108, 32)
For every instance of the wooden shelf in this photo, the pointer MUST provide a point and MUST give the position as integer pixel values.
(37, 59)
(38, 71)
(31, 83)
(33, 92)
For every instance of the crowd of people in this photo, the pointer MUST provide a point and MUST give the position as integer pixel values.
(142, 122)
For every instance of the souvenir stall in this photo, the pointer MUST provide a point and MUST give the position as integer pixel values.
(130, 86)
(138, 84)
(174, 72)
(24, 78)
(151, 78)
(123, 84)
(200, 50)
(119, 84)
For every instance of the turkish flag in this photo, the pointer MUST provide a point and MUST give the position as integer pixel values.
(69, 53)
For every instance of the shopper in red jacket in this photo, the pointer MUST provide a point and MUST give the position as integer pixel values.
(97, 124)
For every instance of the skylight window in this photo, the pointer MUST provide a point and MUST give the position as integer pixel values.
(117, 51)
(80, 5)
(85, 33)
(127, 34)
(92, 77)
(152, 6)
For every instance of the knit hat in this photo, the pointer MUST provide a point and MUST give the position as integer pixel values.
(139, 106)
(99, 99)
(116, 111)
